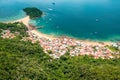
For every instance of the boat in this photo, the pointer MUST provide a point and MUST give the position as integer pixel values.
(97, 20)
(50, 9)
(53, 3)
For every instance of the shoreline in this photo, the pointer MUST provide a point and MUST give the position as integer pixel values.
(59, 45)
(26, 19)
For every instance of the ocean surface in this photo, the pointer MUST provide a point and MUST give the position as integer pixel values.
(82, 19)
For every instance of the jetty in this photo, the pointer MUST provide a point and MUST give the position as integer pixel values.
(32, 27)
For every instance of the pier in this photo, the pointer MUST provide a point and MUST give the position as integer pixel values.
(32, 27)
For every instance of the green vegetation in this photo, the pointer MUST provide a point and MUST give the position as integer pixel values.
(20, 60)
(33, 12)
(114, 49)
(23, 60)
(14, 27)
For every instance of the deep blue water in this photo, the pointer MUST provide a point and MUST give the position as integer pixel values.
(84, 19)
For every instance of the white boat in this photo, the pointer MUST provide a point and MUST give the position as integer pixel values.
(50, 9)
(97, 19)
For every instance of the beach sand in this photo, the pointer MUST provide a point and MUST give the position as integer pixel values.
(26, 19)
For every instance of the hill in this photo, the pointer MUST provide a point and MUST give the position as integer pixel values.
(33, 12)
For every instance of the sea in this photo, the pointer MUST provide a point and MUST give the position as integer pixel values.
(97, 20)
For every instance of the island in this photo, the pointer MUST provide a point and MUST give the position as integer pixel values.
(33, 12)
(26, 54)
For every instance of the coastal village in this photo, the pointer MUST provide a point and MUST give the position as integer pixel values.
(59, 46)
(59, 40)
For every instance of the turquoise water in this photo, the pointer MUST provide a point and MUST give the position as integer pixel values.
(83, 19)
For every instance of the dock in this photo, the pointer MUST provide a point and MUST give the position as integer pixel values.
(32, 27)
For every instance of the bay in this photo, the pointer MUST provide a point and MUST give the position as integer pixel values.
(82, 19)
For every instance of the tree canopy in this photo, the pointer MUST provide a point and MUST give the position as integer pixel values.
(33, 12)
(14, 27)
(20, 60)
(24, 60)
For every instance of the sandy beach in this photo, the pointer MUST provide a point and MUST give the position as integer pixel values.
(59, 45)
(26, 19)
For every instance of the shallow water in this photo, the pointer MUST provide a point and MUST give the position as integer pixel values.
(84, 19)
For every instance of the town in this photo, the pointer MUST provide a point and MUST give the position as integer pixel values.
(60, 46)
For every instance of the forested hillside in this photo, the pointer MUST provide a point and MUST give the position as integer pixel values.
(20, 60)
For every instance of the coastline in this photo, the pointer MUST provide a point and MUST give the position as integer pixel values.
(59, 45)
(26, 19)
